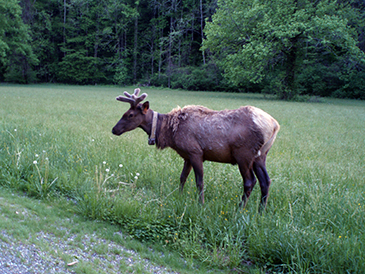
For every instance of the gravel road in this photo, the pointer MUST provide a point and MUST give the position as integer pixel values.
(47, 256)
(67, 249)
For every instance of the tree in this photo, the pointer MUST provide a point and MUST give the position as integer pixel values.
(251, 39)
(41, 17)
(16, 55)
(118, 17)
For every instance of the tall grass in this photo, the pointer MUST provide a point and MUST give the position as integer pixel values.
(56, 140)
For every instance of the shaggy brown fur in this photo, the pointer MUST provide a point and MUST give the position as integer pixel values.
(242, 136)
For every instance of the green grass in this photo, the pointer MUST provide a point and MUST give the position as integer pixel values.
(314, 220)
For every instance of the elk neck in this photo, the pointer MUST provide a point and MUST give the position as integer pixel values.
(147, 124)
(161, 132)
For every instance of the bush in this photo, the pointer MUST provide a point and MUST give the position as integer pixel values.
(354, 85)
(78, 68)
(159, 80)
(20, 71)
(204, 78)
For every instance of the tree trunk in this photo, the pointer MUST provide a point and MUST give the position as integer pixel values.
(289, 80)
(169, 64)
(152, 57)
(160, 55)
(291, 58)
(202, 27)
(192, 39)
(64, 26)
(135, 50)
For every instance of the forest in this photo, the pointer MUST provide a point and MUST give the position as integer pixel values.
(281, 47)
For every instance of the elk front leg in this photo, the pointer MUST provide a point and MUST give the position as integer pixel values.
(184, 174)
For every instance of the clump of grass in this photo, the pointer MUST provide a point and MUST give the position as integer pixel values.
(42, 186)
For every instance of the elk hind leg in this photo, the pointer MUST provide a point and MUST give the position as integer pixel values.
(259, 167)
(249, 182)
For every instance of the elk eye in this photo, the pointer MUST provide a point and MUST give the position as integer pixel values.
(130, 115)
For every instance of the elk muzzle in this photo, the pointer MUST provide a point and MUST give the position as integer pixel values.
(115, 131)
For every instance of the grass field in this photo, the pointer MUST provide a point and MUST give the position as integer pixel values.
(56, 142)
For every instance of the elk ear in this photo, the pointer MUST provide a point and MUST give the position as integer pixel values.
(145, 107)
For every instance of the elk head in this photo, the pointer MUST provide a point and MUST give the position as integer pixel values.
(135, 116)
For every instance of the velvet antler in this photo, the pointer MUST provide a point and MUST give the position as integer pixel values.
(133, 99)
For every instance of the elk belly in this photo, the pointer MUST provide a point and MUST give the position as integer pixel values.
(218, 153)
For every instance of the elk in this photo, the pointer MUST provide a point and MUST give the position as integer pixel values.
(242, 136)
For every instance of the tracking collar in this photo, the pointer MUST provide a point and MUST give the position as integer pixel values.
(152, 138)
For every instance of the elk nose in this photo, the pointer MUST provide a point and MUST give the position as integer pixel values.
(113, 131)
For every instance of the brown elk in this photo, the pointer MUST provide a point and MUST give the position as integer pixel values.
(242, 136)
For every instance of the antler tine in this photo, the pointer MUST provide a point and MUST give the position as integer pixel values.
(141, 98)
(125, 99)
(134, 95)
(137, 91)
(128, 95)
(132, 98)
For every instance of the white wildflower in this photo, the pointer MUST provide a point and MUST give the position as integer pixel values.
(136, 177)
(107, 170)
(36, 155)
(15, 129)
(120, 165)
(35, 162)
(104, 163)
(137, 174)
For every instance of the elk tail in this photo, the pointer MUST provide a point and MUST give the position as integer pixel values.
(268, 143)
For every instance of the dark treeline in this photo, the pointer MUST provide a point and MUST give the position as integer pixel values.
(159, 42)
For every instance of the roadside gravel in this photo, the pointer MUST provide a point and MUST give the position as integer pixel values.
(50, 253)
(32, 241)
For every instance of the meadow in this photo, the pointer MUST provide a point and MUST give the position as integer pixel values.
(56, 141)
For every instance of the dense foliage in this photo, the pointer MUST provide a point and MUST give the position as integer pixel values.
(292, 45)
(286, 47)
